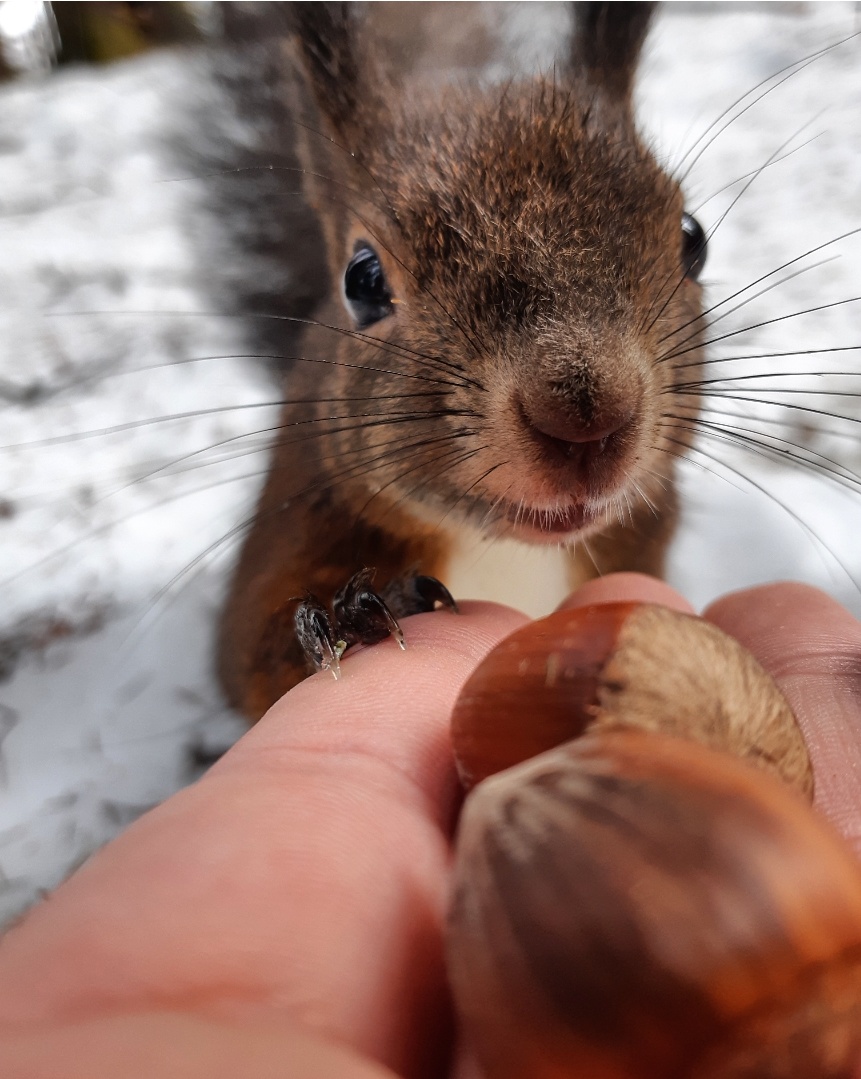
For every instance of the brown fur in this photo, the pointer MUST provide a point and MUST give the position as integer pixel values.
(532, 244)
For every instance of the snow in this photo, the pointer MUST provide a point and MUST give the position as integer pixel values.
(110, 693)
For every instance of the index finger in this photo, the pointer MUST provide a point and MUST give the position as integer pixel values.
(304, 875)
(812, 648)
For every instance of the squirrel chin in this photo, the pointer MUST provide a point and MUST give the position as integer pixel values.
(551, 525)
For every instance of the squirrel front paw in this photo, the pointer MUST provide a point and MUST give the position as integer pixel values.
(361, 615)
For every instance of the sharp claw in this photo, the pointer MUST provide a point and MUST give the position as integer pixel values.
(398, 634)
(393, 624)
(435, 593)
(316, 636)
(362, 614)
(331, 660)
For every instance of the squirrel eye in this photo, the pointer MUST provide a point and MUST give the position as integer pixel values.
(366, 291)
(694, 247)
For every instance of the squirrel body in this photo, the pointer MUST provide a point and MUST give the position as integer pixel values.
(507, 264)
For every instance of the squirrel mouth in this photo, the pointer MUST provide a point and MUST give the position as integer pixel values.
(551, 522)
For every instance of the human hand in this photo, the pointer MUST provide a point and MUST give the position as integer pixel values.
(283, 916)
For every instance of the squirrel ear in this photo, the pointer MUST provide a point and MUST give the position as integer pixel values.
(335, 64)
(606, 43)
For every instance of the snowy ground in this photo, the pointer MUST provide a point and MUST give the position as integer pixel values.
(109, 689)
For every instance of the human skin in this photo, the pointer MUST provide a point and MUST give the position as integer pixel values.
(283, 916)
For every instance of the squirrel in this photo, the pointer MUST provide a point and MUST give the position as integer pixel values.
(509, 268)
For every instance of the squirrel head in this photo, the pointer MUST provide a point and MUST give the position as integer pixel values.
(520, 247)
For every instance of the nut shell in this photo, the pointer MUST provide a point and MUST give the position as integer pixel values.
(635, 906)
(641, 665)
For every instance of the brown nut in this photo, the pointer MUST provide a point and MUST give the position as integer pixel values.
(633, 664)
(634, 906)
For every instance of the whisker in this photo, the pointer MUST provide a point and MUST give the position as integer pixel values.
(358, 160)
(265, 446)
(641, 494)
(375, 236)
(782, 404)
(472, 342)
(360, 469)
(377, 418)
(785, 452)
(739, 179)
(226, 173)
(818, 542)
(391, 347)
(789, 71)
(472, 487)
(763, 277)
(584, 543)
(759, 325)
(773, 356)
(772, 421)
(714, 228)
(133, 425)
(758, 172)
(449, 463)
(116, 522)
(743, 303)
(100, 530)
(685, 459)
(730, 381)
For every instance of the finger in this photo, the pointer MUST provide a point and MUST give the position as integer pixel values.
(305, 875)
(812, 647)
(627, 587)
(175, 1046)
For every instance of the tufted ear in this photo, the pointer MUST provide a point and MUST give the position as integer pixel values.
(606, 44)
(337, 66)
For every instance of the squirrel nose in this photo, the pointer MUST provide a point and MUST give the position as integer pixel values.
(576, 437)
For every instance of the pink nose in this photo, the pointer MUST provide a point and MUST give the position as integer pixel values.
(566, 436)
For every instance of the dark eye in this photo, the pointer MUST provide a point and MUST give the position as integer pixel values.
(694, 247)
(366, 291)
